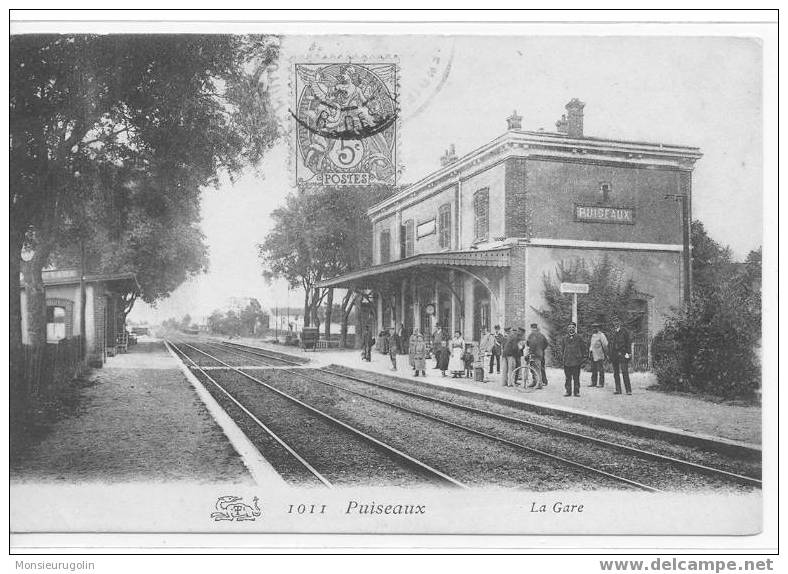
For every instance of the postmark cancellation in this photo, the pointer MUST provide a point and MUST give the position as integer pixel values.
(345, 116)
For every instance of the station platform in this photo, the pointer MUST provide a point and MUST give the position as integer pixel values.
(665, 413)
(140, 420)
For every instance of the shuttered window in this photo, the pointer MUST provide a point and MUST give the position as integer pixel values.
(407, 239)
(385, 246)
(444, 226)
(481, 211)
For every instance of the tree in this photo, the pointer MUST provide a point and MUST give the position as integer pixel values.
(711, 262)
(319, 234)
(90, 116)
(610, 293)
(711, 346)
(250, 316)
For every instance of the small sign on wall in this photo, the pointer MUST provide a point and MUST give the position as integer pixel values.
(425, 228)
(602, 214)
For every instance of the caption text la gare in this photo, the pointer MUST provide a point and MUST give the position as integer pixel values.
(558, 508)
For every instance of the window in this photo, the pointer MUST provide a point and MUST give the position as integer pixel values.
(406, 239)
(385, 246)
(56, 323)
(444, 226)
(481, 211)
(605, 188)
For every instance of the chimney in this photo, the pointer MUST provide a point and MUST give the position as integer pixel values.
(574, 119)
(560, 125)
(514, 122)
(449, 156)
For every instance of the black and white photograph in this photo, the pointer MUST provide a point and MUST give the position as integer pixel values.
(303, 280)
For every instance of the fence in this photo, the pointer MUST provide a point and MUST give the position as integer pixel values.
(640, 354)
(48, 366)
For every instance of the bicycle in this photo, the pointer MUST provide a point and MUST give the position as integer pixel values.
(532, 367)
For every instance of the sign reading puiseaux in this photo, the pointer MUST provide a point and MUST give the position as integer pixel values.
(599, 214)
(574, 287)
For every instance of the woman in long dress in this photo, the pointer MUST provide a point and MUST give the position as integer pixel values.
(412, 346)
(456, 363)
(419, 356)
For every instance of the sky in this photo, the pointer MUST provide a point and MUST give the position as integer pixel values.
(698, 91)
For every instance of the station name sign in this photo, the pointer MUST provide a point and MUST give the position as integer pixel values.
(599, 214)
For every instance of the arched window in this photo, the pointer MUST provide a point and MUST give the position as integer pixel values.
(385, 246)
(444, 226)
(481, 211)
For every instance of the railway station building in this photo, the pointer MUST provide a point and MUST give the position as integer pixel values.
(105, 319)
(466, 247)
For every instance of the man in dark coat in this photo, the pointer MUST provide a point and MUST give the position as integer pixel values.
(620, 345)
(510, 352)
(394, 346)
(573, 355)
(537, 345)
(495, 352)
(367, 340)
(438, 337)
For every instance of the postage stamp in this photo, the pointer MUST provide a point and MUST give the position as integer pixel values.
(346, 116)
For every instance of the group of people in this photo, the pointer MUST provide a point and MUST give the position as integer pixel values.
(617, 349)
(511, 348)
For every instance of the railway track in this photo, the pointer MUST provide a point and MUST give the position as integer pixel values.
(671, 461)
(445, 412)
(384, 462)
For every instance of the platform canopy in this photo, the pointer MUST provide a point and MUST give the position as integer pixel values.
(377, 275)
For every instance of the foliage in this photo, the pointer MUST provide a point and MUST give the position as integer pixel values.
(711, 347)
(610, 293)
(182, 324)
(318, 234)
(237, 322)
(112, 137)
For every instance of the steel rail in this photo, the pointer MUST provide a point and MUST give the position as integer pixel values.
(508, 442)
(259, 357)
(697, 467)
(752, 481)
(378, 443)
(262, 425)
(259, 352)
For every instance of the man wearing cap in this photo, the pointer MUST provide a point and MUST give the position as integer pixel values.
(537, 344)
(597, 352)
(620, 349)
(573, 355)
(497, 348)
(509, 354)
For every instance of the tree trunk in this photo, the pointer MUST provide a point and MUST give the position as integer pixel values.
(36, 317)
(16, 357)
(347, 306)
(36, 300)
(359, 321)
(307, 309)
(329, 312)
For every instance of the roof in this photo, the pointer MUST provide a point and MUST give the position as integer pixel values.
(71, 276)
(446, 259)
(525, 143)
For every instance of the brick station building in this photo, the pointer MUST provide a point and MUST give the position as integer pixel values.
(467, 245)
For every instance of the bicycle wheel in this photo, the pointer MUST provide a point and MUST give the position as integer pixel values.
(536, 374)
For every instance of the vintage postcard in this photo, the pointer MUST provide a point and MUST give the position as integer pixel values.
(496, 282)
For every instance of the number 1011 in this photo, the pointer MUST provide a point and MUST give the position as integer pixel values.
(307, 509)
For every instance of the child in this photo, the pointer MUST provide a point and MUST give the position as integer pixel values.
(468, 358)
